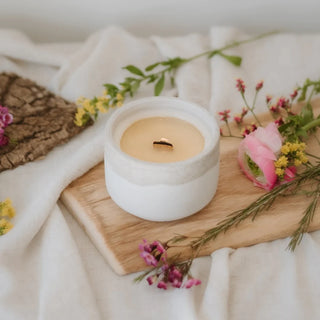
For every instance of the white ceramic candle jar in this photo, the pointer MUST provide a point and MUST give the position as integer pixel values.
(161, 158)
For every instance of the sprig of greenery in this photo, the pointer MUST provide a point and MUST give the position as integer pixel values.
(157, 73)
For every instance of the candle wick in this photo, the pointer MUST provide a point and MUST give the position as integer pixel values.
(163, 142)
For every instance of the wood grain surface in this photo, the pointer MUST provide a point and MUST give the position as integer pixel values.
(117, 234)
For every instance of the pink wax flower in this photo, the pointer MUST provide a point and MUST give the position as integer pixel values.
(257, 153)
(192, 282)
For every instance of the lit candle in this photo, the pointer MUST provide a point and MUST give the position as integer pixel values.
(161, 158)
(145, 140)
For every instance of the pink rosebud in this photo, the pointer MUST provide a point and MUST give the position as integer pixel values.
(259, 85)
(162, 285)
(240, 85)
(192, 282)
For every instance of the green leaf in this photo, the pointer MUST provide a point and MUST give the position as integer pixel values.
(159, 86)
(112, 89)
(151, 66)
(134, 70)
(135, 86)
(235, 60)
(306, 114)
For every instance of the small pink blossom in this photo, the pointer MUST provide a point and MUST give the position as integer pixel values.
(151, 280)
(3, 140)
(279, 122)
(294, 94)
(289, 174)
(224, 115)
(240, 85)
(192, 282)
(162, 285)
(149, 259)
(268, 98)
(259, 85)
(237, 119)
(244, 111)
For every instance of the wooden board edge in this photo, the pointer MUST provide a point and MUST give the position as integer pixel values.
(91, 230)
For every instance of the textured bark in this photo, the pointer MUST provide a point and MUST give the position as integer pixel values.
(41, 120)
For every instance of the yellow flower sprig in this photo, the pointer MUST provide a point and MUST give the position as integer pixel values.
(90, 108)
(7, 212)
(292, 154)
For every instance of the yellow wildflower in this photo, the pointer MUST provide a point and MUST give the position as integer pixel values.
(80, 100)
(89, 107)
(5, 226)
(7, 209)
(285, 149)
(119, 96)
(101, 107)
(78, 117)
(281, 162)
(297, 162)
(279, 172)
(295, 147)
(119, 103)
(105, 92)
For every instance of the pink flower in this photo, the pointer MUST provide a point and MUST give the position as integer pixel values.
(192, 282)
(268, 98)
(149, 259)
(294, 94)
(3, 140)
(162, 285)
(240, 85)
(259, 85)
(289, 174)
(257, 153)
(224, 115)
(151, 280)
(237, 119)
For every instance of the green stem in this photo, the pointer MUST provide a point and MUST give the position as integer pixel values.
(311, 124)
(250, 109)
(229, 46)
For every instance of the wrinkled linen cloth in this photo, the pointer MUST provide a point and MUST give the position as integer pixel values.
(49, 269)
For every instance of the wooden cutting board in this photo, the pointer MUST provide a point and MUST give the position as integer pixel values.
(117, 234)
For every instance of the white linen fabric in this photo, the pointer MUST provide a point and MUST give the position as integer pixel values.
(49, 269)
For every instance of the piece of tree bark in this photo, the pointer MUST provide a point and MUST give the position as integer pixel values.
(41, 120)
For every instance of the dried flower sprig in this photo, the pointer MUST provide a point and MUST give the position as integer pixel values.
(7, 212)
(156, 73)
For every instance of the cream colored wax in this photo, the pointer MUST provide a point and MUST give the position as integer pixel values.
(137, 140)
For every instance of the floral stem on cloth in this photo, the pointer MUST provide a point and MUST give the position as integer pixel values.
(156, 73)
(274, 158)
